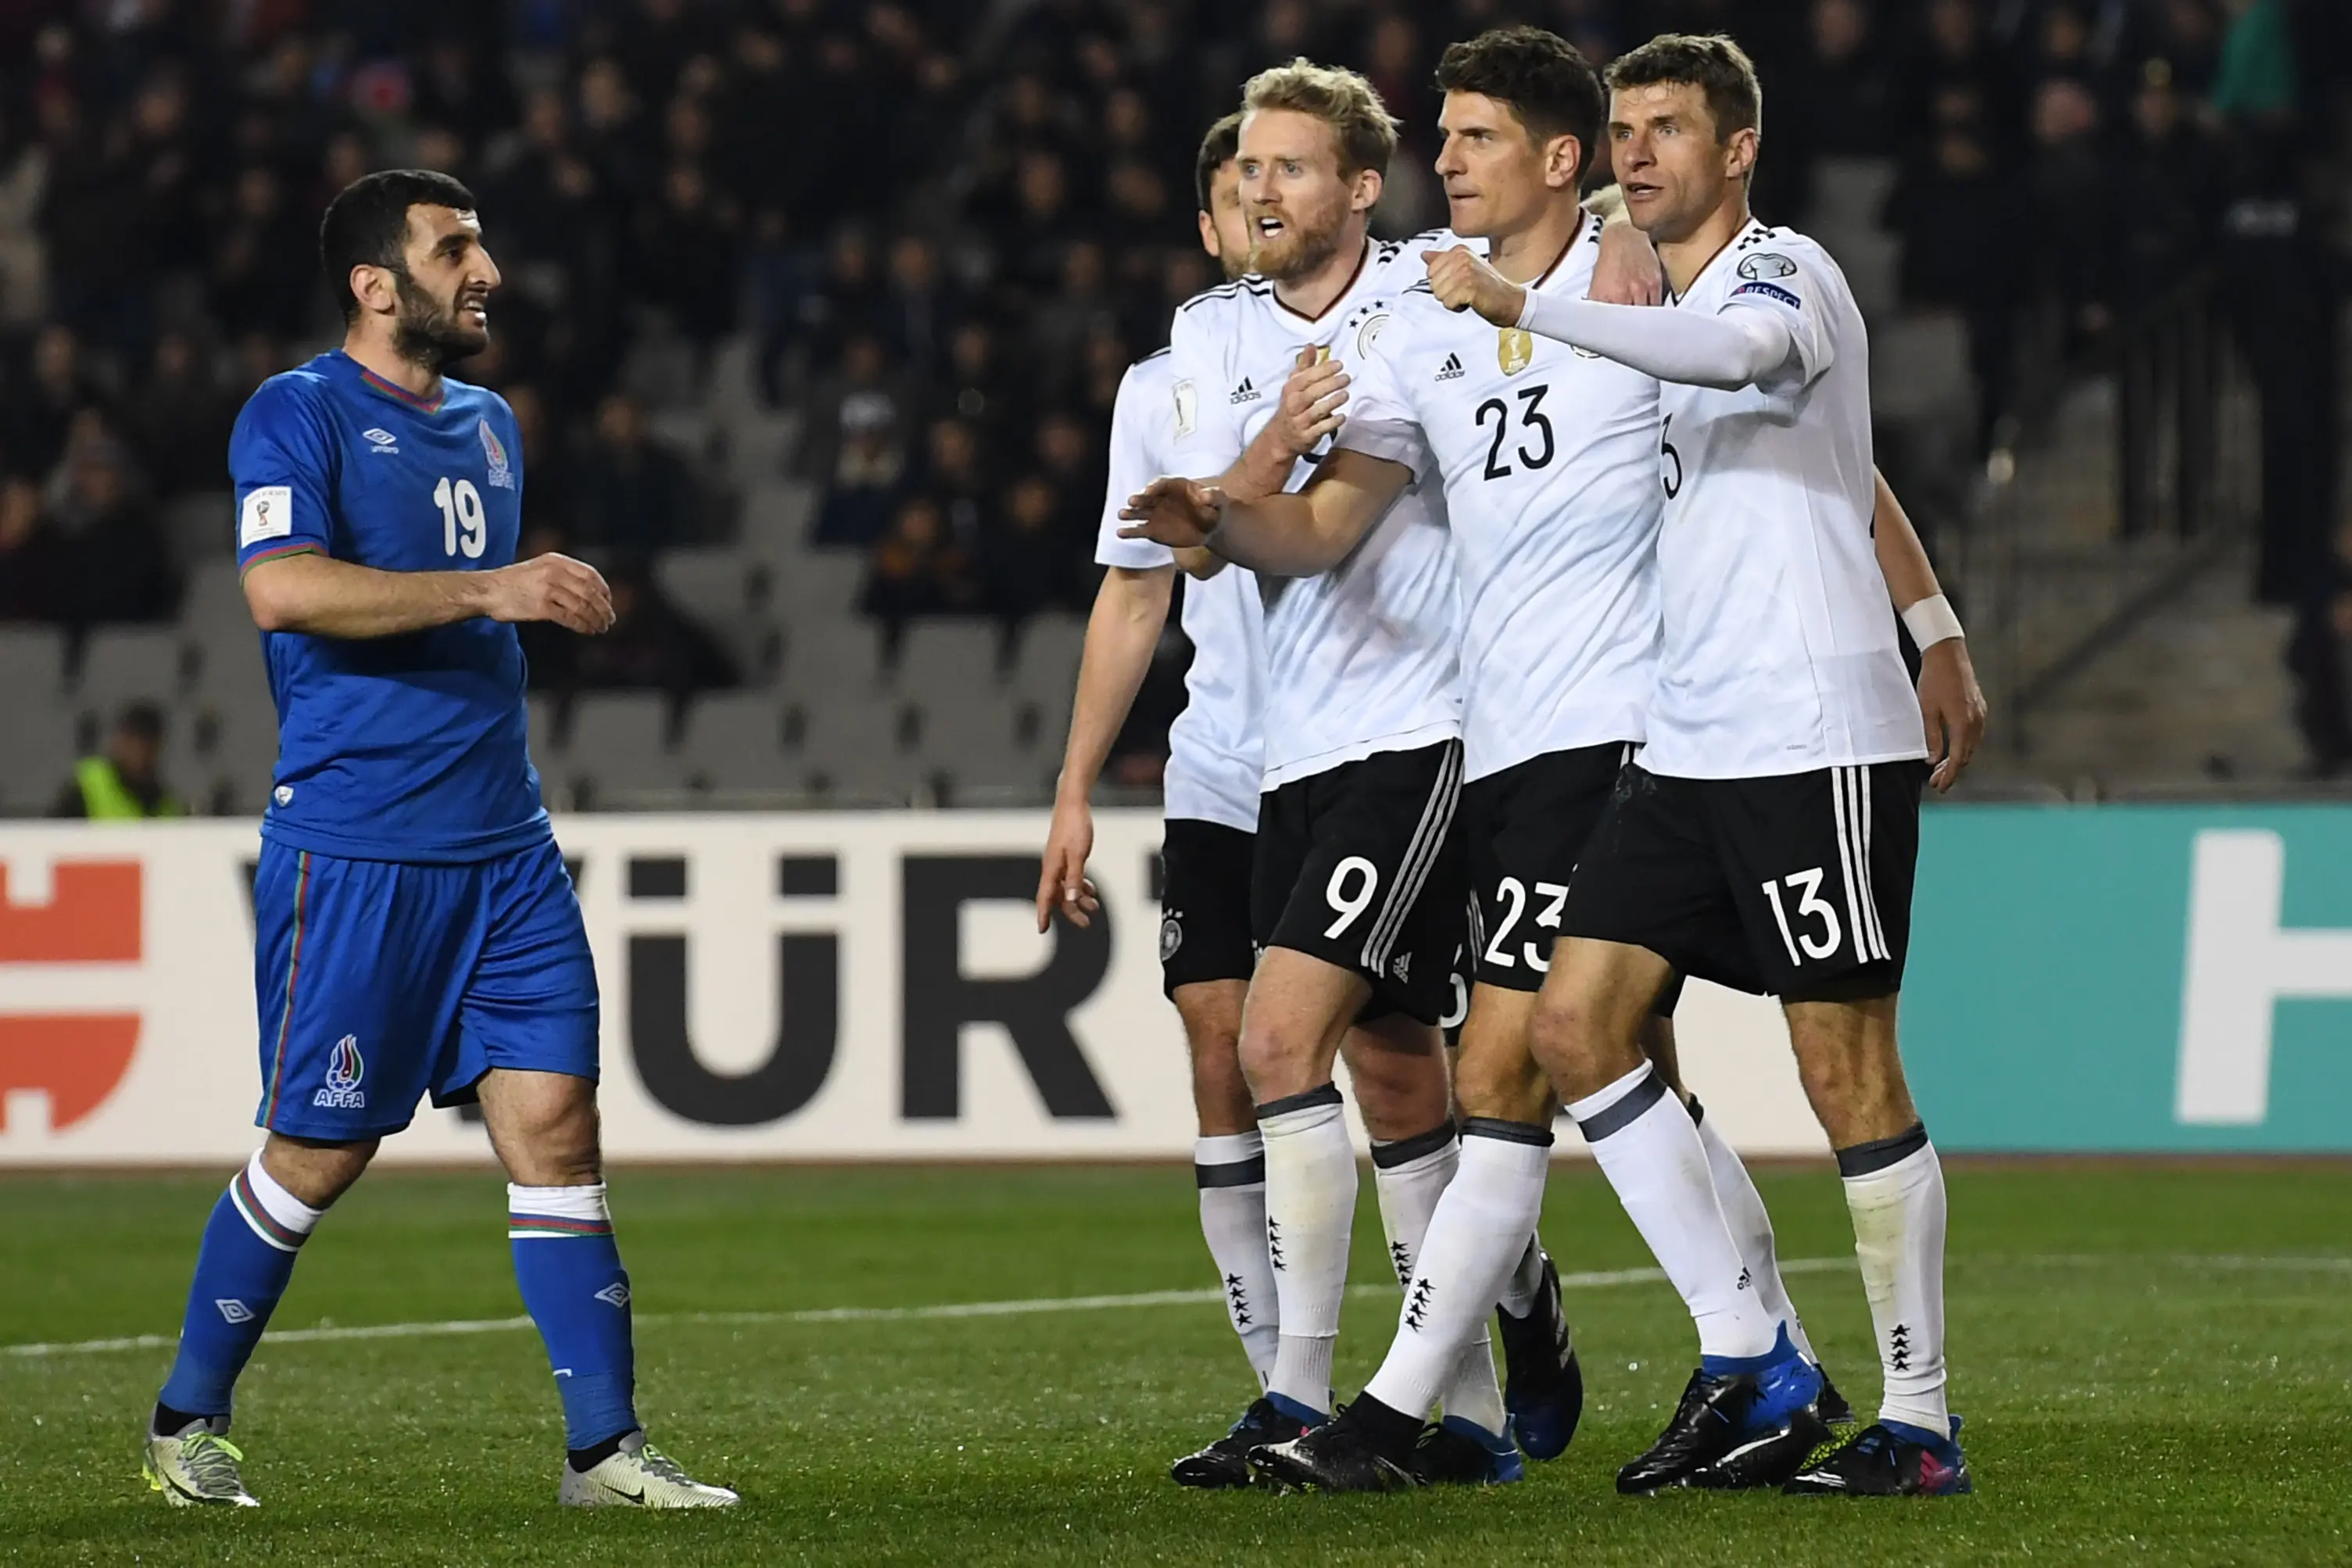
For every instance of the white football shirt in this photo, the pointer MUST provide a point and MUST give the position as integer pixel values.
(1779, 654)
(1362, 658)
(1548, 458)
(1216, 756)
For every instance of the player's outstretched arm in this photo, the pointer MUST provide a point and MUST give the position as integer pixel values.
(1951, 703)
(1131, 609)
(1286, 534)
(322, 596)
(1728, 351)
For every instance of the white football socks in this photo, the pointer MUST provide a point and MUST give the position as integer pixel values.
(1229, 1170)
(1645, 1144)
(1475, 1240)
(1895, 1190)
(1412, 1176)
(1311, 1210)
(1752, 1227)
(1525, 1282)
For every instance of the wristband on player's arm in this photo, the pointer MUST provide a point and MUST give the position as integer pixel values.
(1931, 621)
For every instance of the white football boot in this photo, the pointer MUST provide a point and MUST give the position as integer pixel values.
(638, 1476)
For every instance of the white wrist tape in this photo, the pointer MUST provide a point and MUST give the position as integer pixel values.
(1931, 621)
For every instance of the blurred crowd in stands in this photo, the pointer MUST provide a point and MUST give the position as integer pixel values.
(948, 227)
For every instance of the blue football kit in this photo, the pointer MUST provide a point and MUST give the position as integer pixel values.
(415, 925)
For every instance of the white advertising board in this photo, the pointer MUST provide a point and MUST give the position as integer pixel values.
(781, 986)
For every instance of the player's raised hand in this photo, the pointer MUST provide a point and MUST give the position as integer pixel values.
(551, 587)
(1178, 512)
(1311, 400)
(1953, 706)
(1461, 280)
(1062, 881)
(1627, 271)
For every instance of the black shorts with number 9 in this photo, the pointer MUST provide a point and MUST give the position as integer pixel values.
(1361, 865)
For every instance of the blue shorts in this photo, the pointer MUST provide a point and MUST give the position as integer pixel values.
(380, 983)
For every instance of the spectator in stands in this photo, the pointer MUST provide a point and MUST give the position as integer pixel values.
(34, 571)
(917, 569)
(653, 646)
(686, 256)
(1026, 554)
(1958, 81)
(23, 180)
(1957, 220)
(178, 421)
(918, 311)
(117, 566)
(956, 476)
(265, 269)
(125, 785)
(2072, 205)
(857, 443)
(37, 410)
(632, 494)
(2167, 194)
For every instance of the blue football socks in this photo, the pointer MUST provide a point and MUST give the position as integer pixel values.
(242, 1269)
(573, 1286)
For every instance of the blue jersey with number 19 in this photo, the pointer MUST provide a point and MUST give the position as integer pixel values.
(409, 748)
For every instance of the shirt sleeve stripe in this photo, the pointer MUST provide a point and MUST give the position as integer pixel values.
(299, 547)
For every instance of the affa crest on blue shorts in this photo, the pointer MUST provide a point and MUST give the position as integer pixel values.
(345, 1068)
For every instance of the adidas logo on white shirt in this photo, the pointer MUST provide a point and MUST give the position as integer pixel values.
(1452, 369)
(1244, 393)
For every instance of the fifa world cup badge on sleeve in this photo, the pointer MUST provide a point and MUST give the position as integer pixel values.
(268, 513)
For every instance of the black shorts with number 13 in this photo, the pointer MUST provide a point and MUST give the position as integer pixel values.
(1796, 886)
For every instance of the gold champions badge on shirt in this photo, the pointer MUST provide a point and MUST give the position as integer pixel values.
(1514, 349)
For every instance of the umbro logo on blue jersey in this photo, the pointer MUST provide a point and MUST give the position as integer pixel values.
(1244, 393)
(381, 440)
(1452, 369)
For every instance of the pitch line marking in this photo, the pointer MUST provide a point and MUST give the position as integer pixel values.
(1590, 1279)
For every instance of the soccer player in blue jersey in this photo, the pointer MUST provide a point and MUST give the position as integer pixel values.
(417, 929)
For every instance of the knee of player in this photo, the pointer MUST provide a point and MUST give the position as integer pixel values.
(315, 1172)
(1280, 1061)
(1572, 1039)
(1504, 1087)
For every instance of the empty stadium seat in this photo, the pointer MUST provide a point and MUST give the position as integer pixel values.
(200, 528)
(818, 583)
(773, 522)
(223, 751)
(734, 742)
(987, 746)
(726, 593)
(859, 753)
(831, 658)
(942, 656)
(37, 758)
(121, 664)
(32, 659)
(618, 744)
(1046, 667)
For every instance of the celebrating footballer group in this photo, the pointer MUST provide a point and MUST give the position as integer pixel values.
(1546, 599)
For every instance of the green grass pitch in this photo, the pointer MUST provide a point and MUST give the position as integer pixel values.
(2155, 1363)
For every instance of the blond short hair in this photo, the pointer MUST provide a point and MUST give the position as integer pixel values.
(1340, 98)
